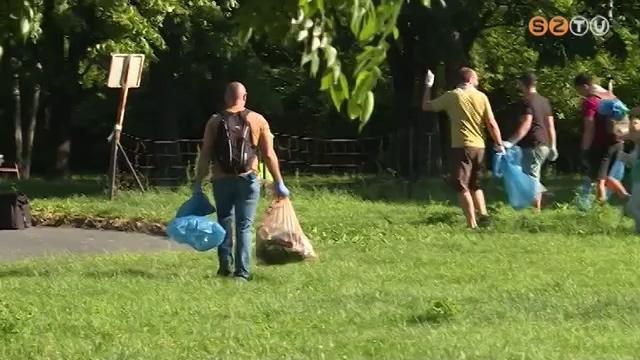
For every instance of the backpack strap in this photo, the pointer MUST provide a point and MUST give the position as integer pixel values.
(244, 115)
(224, 115)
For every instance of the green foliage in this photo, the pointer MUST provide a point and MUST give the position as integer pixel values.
(345, 45)
(502, 53)
(20, 22)
(315, 25)
(125, 29)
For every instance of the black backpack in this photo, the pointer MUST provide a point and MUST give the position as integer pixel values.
(15, 211)
(234, 149)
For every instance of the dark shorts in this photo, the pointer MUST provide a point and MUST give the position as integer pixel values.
(601, 159)
(466, 165)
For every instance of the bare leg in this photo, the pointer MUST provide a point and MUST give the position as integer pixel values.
(601, 191)
(537, 202)
(478, 201)
(466, 203)
(617, 187)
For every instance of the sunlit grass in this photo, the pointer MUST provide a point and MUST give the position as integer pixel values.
(395, 279)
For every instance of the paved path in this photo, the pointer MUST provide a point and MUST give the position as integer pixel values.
(43, 241)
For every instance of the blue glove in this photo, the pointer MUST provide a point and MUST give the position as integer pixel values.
(280, 189)
(196, 187)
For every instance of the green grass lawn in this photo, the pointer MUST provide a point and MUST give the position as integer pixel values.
(396, 278)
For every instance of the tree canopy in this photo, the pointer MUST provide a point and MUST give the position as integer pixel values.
(326, 67)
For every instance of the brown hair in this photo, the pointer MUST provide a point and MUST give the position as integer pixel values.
(466, 74)
(582, 80)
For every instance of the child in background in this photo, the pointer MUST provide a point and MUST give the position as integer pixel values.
(632, 208)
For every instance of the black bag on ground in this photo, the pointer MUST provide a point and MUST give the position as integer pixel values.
(234, 149)
(15, 211)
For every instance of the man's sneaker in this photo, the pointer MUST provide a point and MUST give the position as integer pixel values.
(484, 221)
(223, 272)
(240, 279)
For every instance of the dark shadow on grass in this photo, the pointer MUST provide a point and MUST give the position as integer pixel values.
(126, 273)
(434, 189)
(445, 217)
(43, 189)
(97, 274)
(426, 319)
(24, 273)
(441, 311)
(568, 223)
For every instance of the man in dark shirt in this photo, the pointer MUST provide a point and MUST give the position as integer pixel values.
(536, 133)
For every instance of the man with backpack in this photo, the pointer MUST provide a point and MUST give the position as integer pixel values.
(232, 140)
(470, 112)
(600, 146)
(536, 133)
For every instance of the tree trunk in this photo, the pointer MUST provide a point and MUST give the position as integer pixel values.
(17, 118)
(60, 135)
(31, 129)
(61, 64)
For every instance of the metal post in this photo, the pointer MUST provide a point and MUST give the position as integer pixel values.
(131, 168)
(117, 129)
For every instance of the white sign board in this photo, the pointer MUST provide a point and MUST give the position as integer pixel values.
(133, 62)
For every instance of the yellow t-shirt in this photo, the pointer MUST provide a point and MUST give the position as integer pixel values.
(468, 110)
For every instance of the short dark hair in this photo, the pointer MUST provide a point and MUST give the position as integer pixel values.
(528, 79)
(583, 79)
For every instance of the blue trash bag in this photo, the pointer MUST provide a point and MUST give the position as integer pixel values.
(616, 172)
(192, 227)
(613, 108)
(584, 198)
(199, 232)
(198, 204)
(520, 187)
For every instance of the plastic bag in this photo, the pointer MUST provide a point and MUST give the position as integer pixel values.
(193, 227)
(280, 239)
(613, 108)
(199, 232)
(520, 187)
(616, 172)
(584, 198)
(616, 111)
(198, 205)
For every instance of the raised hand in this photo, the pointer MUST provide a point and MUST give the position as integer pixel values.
(429, 79)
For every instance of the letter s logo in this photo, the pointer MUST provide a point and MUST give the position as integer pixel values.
(538, 26)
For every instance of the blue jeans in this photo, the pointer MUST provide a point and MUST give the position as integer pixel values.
(236, 196)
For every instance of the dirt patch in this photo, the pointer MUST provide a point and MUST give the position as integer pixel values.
(99, 223)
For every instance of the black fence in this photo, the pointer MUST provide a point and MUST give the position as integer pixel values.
(171, 162)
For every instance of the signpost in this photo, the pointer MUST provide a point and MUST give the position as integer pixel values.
(125, 72)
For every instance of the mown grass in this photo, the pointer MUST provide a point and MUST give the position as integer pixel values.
(397, 278)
